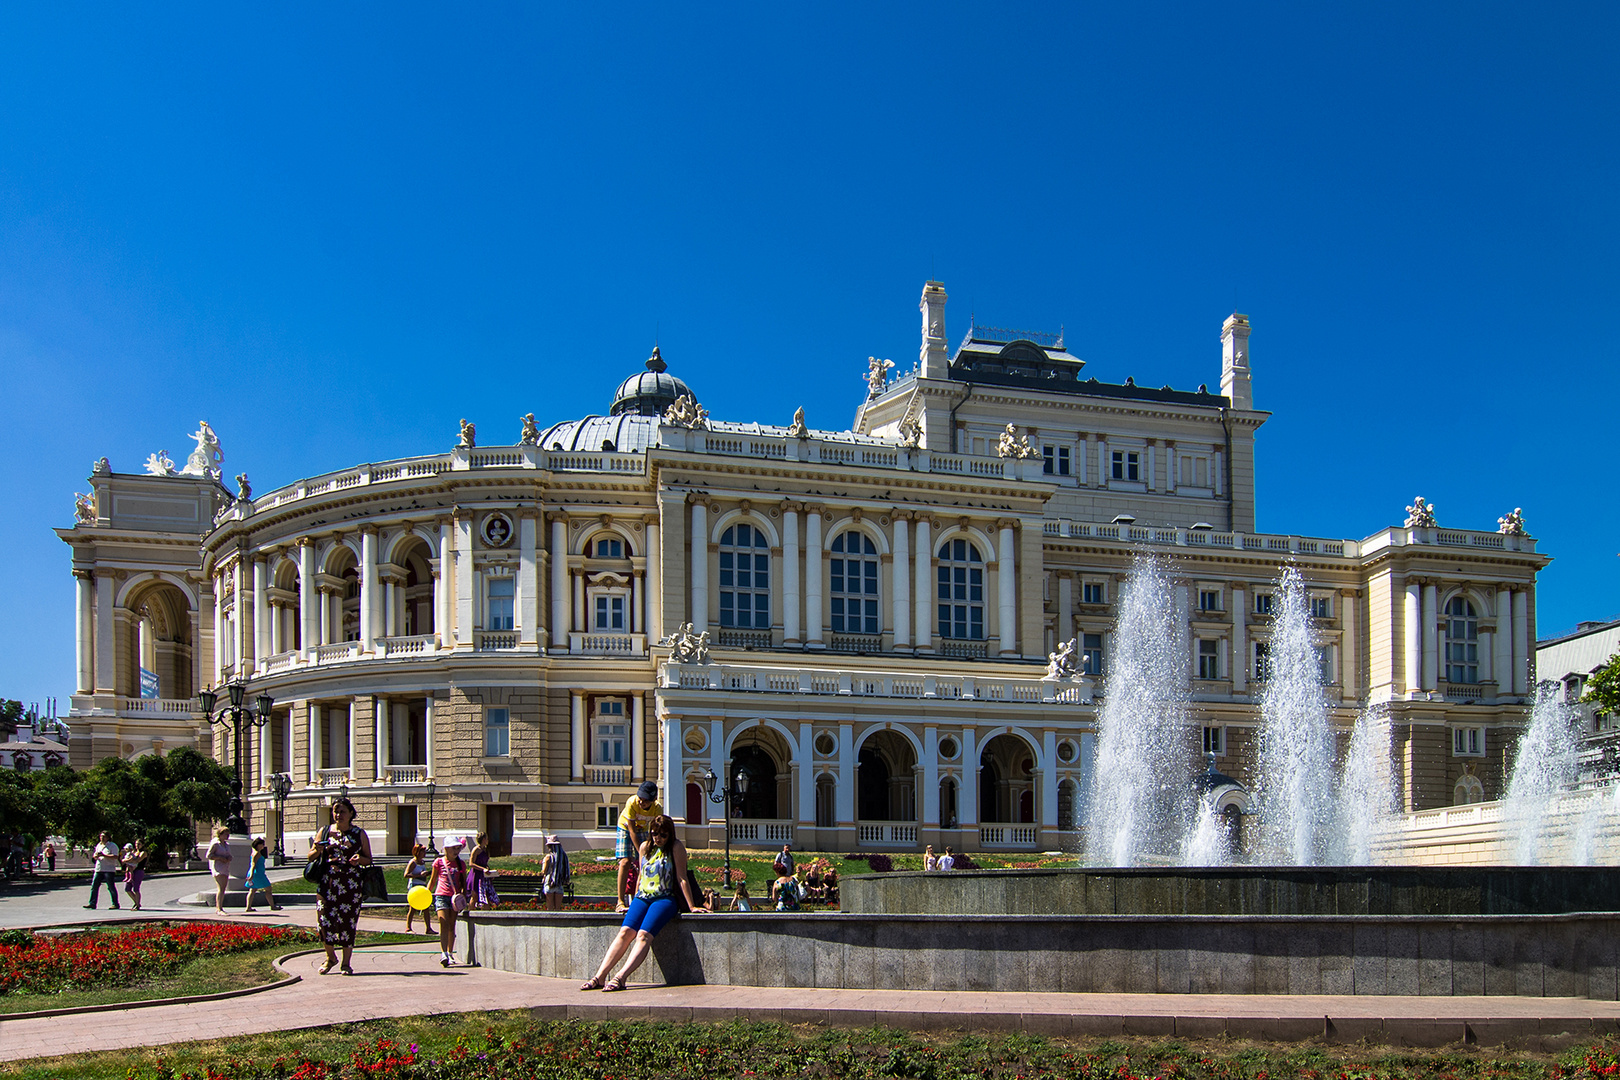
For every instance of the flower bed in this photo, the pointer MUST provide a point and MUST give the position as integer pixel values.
(96, 959)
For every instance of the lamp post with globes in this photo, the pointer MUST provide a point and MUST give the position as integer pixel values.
(235, 716)
(281, 786)
(726, 797)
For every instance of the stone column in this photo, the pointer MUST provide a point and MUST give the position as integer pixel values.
(1065, 611)
(560, 627)
(241, 628)
(442, 613)
(700, 566)
(1240, 643)
(577, 735)
(805, 754)
(928, 809)
(106, 651)
(1350, 644)
(1049, 780)
(1081, 471)
(1151, 485)
(900, 574)
(1007, 589)
(923, 636)
(265, 738)
(464, 578)
(638, 736)
(429, 758)
(315, 748)
(1413, 636)
(814, 615)
(654, 582)
(1172, 466)
(379, 740)
(528, 584)
(1104, 474)
(287, 738)
(634, 614)
(1430, 614)
(261, 612)
(790, 573)
(84, 631)
(846, 776)
(368, 589)
(1521, 641)
(274, 624)
(354, 774)
(967, 793)
(673, 773)
(308, 606)
(582, 617)
(1502, 643)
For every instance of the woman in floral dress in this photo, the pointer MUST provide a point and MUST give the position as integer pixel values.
(347, 849)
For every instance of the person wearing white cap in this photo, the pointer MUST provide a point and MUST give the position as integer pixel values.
(554, 873)
(448, 884)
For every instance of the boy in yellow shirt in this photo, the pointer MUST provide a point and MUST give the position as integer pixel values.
(638, 813)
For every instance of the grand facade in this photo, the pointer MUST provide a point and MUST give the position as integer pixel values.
(511, 637)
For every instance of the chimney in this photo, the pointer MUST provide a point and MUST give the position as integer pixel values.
(935, 362)
(1235, 361)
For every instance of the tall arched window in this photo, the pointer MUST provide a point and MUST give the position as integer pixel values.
(854, 567)
(745, 578)
(961, 591)
(1462, 642)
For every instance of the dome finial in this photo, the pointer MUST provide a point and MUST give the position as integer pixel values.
(655, 362)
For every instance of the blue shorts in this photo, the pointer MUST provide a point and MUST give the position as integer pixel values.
(649, 915)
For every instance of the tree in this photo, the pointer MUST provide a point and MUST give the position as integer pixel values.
(1603, 686)
(19, 811)
(158, 798)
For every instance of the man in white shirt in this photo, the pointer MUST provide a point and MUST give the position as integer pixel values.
(108, 869)
(947, 861)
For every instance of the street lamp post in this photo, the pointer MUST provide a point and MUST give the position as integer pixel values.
(239, 718)
(281, 787)
(433, 848)
(726, 797)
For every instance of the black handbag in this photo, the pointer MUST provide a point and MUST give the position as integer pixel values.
(373, 885)
(315, 869)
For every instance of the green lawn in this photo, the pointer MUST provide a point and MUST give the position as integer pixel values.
(491, 1045)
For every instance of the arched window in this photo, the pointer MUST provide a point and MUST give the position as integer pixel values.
(961, 591)
(854, 584)
(1462, 642)
(1469, 789)
(745, 578)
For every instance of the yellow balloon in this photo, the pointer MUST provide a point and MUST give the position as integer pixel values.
(419, 898)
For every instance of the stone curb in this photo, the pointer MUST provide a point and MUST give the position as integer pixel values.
(120, 1006)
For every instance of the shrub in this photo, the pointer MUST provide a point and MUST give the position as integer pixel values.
(881, 863)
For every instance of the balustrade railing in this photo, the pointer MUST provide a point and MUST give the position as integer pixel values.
(608, 775)
(760, 831)
(855, 643)
(330, 778)
(407, 774)
(495, 640)
(1009, 836)
(343, 650)
(887, 834)
(966, 650)
(415, 645)
(279, 662)
(607, 644)
(743, 639)
(164, 706)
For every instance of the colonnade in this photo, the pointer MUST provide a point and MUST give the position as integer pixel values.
(1505, 643)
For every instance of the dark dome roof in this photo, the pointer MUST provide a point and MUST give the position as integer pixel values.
(626, 434)
(648, 393)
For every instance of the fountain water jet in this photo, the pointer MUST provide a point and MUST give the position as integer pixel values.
(1366, 796)
(1544, 769)
(1143, 777)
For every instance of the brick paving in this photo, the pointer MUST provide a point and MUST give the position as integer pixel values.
(406, 980)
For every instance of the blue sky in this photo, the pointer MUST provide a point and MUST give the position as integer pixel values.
(332, 233)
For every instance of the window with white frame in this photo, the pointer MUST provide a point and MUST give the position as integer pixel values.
(745, 577)
(1209, 600)
(498, 595)
(1321, 607)
(1468, 742)
(1209, 658)
(1215, 740)
(1462, 641)
(1195, 471)
(1093, 592)
(1324, 663)
(961, 591)
(1055, 460)
(607, 817)
(853, 570)
(610, 735)
(497, 732)
(1262, 603)
(1127, 465)
(609, 547)
(1091, 654)
(1262, 661)
(609, 612)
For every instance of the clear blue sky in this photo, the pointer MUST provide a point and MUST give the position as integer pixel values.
(334, 231)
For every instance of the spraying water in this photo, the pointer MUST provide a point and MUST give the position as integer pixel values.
(1543, 768)
(1296, 768)
(1141, 788)
(1366, 801)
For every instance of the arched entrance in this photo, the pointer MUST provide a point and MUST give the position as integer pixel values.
(886, 790)
(161, 643)
(1007, 780)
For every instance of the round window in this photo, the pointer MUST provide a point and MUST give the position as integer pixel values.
(695, 739)
(826, 744)
(1067, 751)
(947, 748)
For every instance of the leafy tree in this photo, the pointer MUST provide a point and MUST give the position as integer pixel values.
(158, 798)
(1603, 686)
(19, 811)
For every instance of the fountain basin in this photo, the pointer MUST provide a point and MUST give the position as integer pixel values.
(1241, 890)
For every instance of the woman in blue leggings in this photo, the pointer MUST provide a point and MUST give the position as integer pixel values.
(663, 870)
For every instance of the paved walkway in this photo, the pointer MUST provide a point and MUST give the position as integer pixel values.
(406, 980)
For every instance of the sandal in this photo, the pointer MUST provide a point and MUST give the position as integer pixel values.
(326, 968)
(592, 983)
(618, 982)
(345, 970)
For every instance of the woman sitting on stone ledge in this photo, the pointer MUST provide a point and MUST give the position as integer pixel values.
(663, 865)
